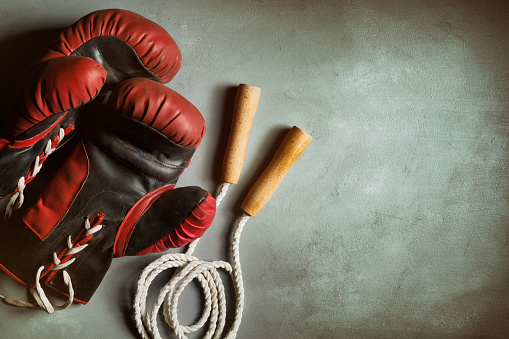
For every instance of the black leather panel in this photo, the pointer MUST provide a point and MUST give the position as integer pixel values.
(118, 58)
(17, 162)
(164, 216)
(142, 147)
(39, 128)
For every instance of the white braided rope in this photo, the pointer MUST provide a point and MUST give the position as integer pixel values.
(188, 269)
(222, 192)
(17, 198)
(223, 188)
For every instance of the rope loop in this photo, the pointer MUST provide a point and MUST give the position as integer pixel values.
(190, 268)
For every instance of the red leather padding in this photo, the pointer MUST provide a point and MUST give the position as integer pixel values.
(155, 47)
(22, 143)
(3, 143)
(54, 202)
(192, 228)
(54, 87)
(161, 108)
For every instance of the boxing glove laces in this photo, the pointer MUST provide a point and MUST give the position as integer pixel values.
(114, 196)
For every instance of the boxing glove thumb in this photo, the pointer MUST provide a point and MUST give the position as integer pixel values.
(173, 219)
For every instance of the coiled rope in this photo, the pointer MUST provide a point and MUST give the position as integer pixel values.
(188, 269)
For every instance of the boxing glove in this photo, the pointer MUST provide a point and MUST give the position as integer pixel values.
(84, 62)
(43, 116)
(126, 44)
(114, 196)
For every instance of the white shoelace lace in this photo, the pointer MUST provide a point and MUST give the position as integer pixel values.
(38, 293)
(17, 198)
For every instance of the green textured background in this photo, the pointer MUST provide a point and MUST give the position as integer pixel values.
(394, 222)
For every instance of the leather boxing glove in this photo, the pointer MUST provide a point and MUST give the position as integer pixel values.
(126, 44)
(46, 106)
(114, 196)
(42, 116)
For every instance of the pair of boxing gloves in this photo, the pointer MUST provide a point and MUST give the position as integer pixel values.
(101, 85)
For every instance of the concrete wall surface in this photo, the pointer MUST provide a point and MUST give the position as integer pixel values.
(394, 223)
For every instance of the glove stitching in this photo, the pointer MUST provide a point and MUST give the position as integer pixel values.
(137, 170)
(79, 213)
(147, 156)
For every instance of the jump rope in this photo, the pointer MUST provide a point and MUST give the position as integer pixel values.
(189, 267)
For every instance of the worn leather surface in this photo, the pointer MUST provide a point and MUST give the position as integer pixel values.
(126, 160)
(122, 44)
(55, 86)
(51, 97)
(118, 58)
(155, 48)
(171, 209)
(182, 123)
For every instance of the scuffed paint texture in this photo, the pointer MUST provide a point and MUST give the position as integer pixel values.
(394, 222)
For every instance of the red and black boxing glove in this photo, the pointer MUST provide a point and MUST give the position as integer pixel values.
(126, 44)
(42, 116)
(93, 55)
(114, 196)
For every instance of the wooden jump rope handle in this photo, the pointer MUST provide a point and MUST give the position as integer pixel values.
(292, 147)
(290, 150)
(244, 111)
